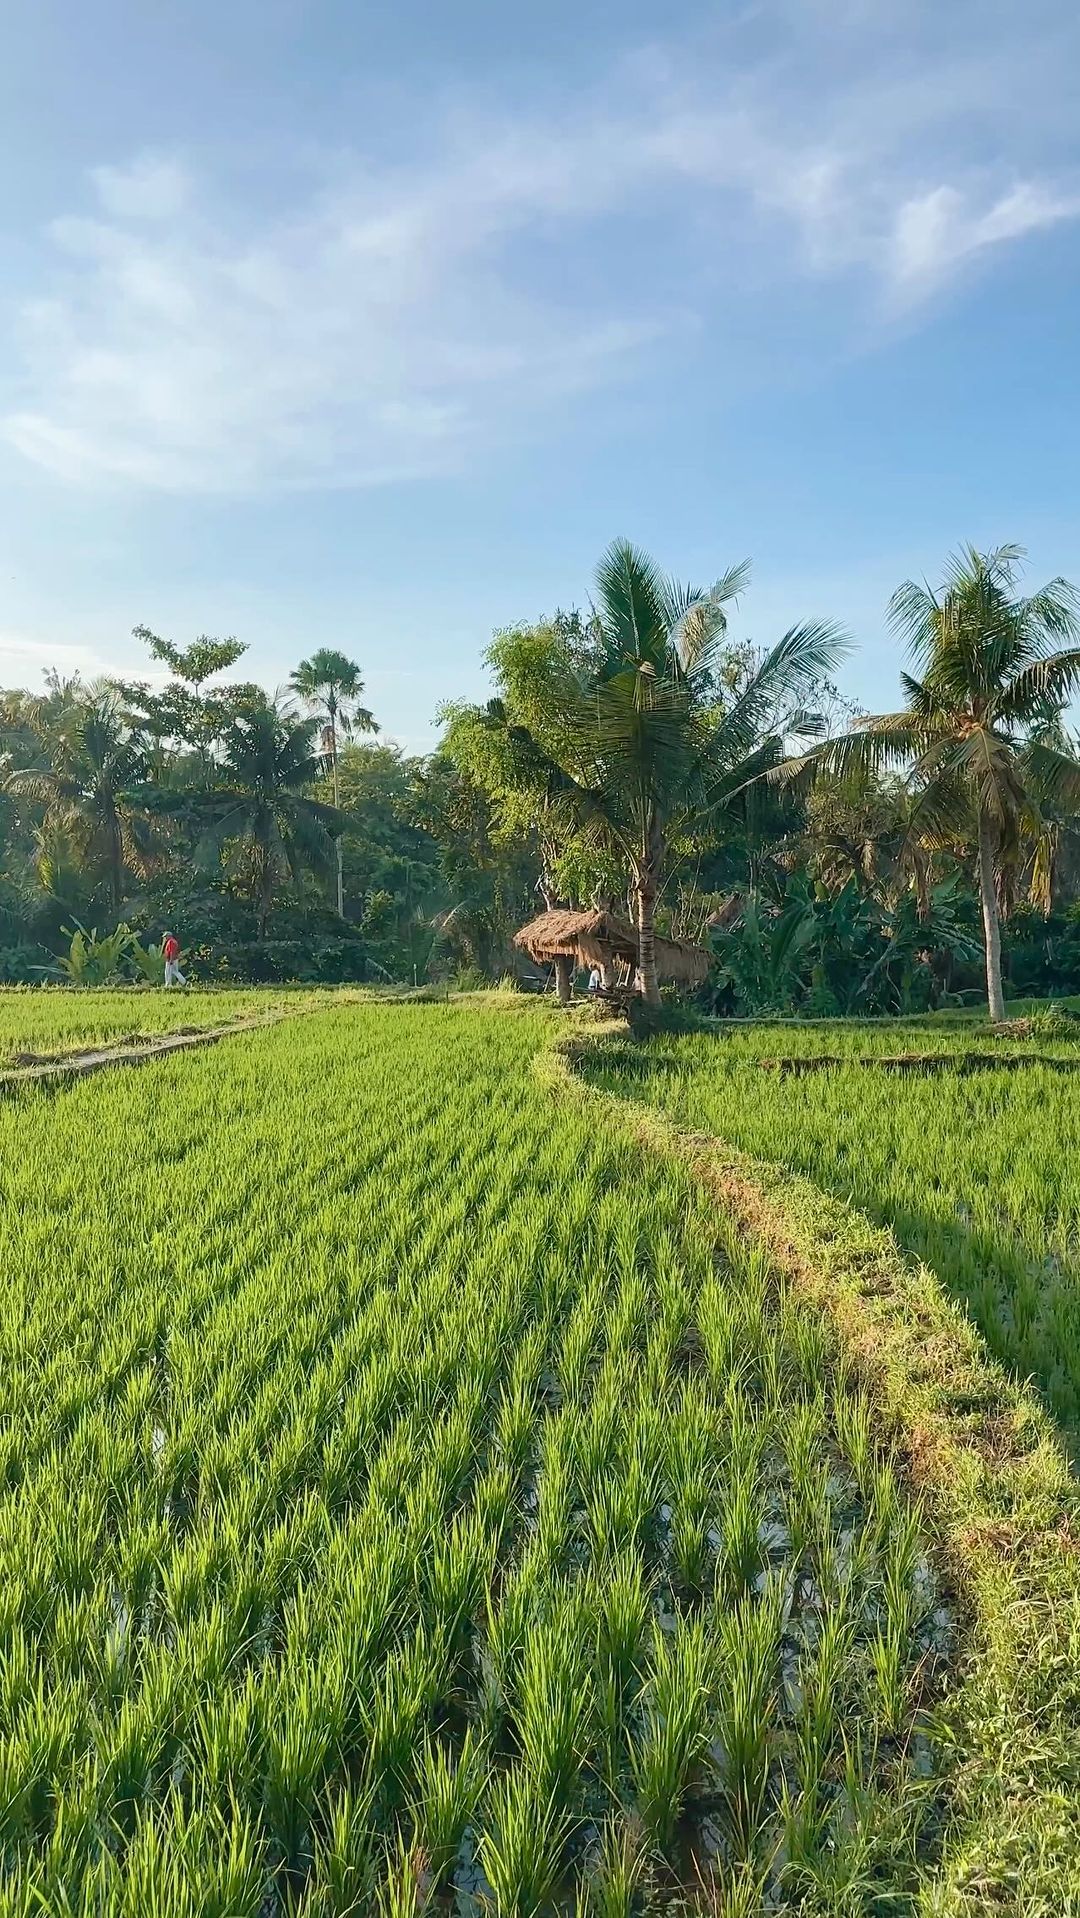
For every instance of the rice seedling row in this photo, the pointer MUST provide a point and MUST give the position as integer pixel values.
(411, 1500)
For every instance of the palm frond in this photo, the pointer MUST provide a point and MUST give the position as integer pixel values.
(236, 821)
(913, 613)
(804, 654)
(46, 787)
(878, 742)
(1053, 777)
(1042, 687)
(632, 602)
(697, 622)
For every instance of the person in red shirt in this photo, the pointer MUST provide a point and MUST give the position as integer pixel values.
(170, 947)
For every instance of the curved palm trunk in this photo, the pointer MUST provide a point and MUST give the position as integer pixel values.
(337, 842)
(995, 997)
(116, 864)
(265, 861)
(646, 887)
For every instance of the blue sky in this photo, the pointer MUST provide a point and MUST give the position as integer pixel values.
(323, 323)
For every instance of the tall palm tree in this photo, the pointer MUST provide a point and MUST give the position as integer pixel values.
(90, 779)
(262, 811)
(329, 683)
(650, 748)
(979, 736)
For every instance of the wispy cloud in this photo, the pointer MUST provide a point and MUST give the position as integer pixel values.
(22, 658)
(936, 232)
(398, 313)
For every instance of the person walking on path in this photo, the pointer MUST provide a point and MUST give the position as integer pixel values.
(170, 947)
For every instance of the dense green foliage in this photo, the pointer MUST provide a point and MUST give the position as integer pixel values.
(980, 733)
(426, 1489)
(975, 1170)
(633, 756)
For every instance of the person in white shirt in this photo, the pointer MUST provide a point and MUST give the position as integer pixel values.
(594, 979)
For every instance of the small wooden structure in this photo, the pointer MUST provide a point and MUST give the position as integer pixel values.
(603, 939)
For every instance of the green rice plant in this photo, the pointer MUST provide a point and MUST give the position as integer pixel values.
(750, 1637)
(614, 1882)
(853, 1418)
(822, 1675)
(299, 1740)
(495, 1504)
(807, 1508)
(35, 1764)
(888, 1654)
(406, 1891)
(449, 1785)
(734, 1891)
(693, 1476)
(676, 1713)
(740, 1519)
(129, 1754)
(553, 1703)
(522, 1846)
(596, 1441)
(904, 1603)
(226, 1744)
(620, 1601)
(343, 1878)
(515, 1427)
(619, 1507)
(554, 1498)
(455, 1577)
(400, 1713)
(509, 1623)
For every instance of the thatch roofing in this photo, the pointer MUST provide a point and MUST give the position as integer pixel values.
(597, 938)
(727, 915)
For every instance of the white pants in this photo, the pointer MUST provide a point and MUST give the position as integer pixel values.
(173, 974)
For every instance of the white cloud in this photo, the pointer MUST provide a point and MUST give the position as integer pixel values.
(938, 230)
(386, 323)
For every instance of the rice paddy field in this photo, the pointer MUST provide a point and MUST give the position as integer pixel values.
(976, 1169)
(413, 1497)
(40, 1022)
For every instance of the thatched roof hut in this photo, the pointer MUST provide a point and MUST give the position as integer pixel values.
(597, 938)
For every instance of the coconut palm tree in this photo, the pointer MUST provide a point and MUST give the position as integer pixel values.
(90, 781)
(261, 816)
(980, 735)
(329, 683)
(650, 748)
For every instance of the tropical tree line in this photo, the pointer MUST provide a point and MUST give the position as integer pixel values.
(631, 756)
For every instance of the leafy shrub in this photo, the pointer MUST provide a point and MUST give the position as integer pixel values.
(102, 959)
(93, 958)
(148, 963)
(470, 979)
(316, 961)
(1054, 1021)
(23, 964)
